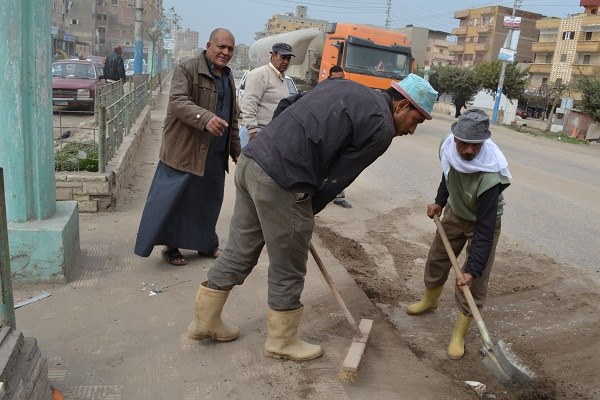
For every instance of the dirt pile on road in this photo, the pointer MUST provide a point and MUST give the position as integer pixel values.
(549, 313)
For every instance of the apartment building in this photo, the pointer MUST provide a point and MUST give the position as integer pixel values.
(429, 48)
(94, 27)
(186, 41)
(481, 34)
(290, 22)
(567, 48)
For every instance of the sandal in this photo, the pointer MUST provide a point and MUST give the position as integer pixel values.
(174, 257)
(212, 254)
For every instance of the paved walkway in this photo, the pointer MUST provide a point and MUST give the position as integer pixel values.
(106, 336)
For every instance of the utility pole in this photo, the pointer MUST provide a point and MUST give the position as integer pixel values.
(503, 70)
(388, 19)
(138, 51)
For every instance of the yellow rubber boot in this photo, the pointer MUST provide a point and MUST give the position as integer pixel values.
(282, 338)
(456, 348)
(207, 323)
(428, 303)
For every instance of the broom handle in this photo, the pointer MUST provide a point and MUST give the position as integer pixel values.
(336, 294)
(485, 335)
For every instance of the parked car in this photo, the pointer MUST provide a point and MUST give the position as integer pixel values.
(522, 113)
(130, 64)
(74, 82)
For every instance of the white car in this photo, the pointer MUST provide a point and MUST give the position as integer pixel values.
(130, 65)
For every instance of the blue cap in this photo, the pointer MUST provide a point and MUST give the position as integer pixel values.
(419, 92)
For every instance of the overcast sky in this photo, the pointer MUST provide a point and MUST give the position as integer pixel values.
(245, 17)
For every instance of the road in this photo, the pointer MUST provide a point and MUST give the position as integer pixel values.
(550, 204)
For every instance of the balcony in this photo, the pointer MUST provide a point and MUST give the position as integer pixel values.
(540, 68)
(456, 48)
(547, 24)
(461, 14)
(460, 31)
(586, 70)
(484, 29)
(441, 56)
(543, 47)
(481, 47)
(588, 46)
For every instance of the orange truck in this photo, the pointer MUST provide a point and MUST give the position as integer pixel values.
(371, 55)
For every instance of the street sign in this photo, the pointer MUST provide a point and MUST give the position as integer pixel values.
(512, 22)
(507, 55)
(169, 44)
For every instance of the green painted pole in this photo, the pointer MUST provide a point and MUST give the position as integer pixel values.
(7, 308)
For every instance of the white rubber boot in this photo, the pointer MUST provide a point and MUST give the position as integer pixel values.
(282, 338)
(207, 323)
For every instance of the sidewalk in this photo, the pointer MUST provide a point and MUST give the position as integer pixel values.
(105, 337)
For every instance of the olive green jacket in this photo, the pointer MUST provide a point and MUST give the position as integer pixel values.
(192, 103)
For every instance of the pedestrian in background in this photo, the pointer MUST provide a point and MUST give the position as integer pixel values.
(459, 104)
(474, 176)
(297, 165)
(114, 67)
(265, 86)
(200, 134)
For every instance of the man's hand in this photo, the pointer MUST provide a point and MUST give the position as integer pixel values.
(216, 126)
(434, 209)
(465, 280)
(252, 133)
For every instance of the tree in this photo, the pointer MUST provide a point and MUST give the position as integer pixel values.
(165, 25)
(515, 79)
(453, 80)
(554, 91)
(590, 91)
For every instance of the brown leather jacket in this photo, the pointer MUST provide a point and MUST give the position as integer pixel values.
(192, 103)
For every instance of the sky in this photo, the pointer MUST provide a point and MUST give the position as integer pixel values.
(245, 17)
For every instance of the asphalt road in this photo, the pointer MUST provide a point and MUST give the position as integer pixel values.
(550, 204)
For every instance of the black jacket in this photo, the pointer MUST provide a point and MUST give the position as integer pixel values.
(114, 68)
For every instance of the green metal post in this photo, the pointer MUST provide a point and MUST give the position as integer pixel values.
(101, 138)
(7, 308)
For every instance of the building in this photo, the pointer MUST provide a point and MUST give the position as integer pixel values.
(186, 41)
(429, 48)
(95, 27)
(289, 22)
(567, 48)
(481, 34)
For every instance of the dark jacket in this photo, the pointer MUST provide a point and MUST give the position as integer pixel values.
(324, 140)
(114, 67)
(192, 103)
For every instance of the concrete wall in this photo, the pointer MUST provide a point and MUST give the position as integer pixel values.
(95, 191)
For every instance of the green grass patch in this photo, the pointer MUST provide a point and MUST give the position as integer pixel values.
(548, 135)
(77, 157)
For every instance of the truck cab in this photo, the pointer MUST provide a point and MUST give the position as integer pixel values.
(370, 55)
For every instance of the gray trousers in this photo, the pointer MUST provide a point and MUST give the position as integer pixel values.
(438, 266)
(266, 214)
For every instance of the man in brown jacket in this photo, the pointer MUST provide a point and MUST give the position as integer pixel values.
(200, 134)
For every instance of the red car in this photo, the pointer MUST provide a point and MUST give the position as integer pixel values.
(74, 82)
(522, 113)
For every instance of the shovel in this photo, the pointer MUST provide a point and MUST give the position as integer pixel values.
(499, 359)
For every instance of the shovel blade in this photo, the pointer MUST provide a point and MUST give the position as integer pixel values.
(507, 368)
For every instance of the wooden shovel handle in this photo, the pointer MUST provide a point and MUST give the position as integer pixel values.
(336, 294)
(485, 335)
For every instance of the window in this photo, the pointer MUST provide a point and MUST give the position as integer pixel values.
(114, 2)
(563, 58)
(588, 36)
(568, 35)
(548, 59)
(544, 82)
(101, 17)
(74, 22)
(586, 59)
(558, 81)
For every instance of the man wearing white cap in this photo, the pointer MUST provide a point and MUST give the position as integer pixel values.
(475, 174)
(307, 155)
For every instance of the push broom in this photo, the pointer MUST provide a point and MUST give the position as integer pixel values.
(349, 370)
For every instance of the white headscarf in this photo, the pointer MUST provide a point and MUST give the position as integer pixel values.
(489, 159)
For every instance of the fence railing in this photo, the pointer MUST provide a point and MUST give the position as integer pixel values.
(88, 144)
